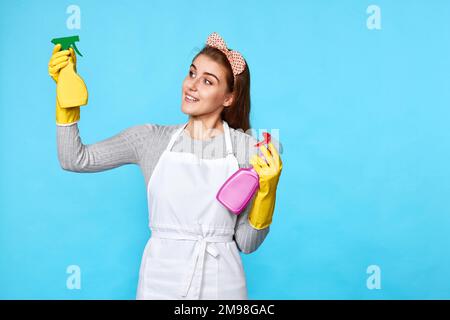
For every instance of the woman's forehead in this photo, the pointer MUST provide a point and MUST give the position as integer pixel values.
(205, 64)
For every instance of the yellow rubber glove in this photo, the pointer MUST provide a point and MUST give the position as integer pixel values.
(269, 172)
(59, 60)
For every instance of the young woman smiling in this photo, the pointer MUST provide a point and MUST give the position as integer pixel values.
(193, 251)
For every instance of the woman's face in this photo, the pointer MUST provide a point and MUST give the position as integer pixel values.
(206, 83)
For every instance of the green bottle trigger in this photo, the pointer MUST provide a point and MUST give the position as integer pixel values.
(67, 42)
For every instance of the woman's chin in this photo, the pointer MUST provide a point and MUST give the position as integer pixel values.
(184, 109)
(188, 109)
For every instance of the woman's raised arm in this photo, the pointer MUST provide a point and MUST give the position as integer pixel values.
(124, 148)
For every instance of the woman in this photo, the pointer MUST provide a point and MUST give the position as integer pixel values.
(193, 251)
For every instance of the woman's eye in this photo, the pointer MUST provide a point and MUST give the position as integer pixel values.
(206, 80)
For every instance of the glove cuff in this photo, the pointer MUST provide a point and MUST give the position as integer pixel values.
(67, 116)
(261, 213)
(65, 124)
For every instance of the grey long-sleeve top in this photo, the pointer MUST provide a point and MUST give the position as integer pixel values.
(143, 145)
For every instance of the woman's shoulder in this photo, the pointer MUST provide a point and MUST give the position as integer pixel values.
(152, 129)
(149, 133)
(162, 129)
(244, 145)
(242, 137)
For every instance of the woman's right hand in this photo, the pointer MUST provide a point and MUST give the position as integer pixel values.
(58, 60)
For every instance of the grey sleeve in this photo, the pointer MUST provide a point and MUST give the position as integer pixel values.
(248, 239)
(124, 148)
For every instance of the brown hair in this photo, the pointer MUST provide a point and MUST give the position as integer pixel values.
(236, 115)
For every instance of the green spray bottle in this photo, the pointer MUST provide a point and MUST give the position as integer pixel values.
(71, 90)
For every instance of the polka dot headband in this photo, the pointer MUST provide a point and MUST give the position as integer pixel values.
(236, 60)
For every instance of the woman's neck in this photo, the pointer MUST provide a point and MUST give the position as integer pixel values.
(204, 129)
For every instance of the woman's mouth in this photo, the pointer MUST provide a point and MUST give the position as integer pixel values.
(190, 99)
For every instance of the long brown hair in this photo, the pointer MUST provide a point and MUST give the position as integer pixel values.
(236, 115)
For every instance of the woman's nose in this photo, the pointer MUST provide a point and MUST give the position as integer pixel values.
(192, 85)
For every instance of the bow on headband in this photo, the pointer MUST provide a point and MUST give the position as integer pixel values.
(236, 60)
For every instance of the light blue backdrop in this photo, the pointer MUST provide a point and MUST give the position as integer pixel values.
(363, 117)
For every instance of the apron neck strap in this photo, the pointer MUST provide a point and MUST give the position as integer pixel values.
(226, 131)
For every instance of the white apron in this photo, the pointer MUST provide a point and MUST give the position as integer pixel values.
(191, 253)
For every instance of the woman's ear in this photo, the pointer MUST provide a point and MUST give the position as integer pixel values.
(228, 100)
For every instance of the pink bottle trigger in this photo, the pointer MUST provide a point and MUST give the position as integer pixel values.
(266, 141)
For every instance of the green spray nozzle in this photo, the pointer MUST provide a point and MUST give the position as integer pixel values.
(67, 42)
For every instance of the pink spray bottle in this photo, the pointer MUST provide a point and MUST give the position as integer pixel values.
(240, 187)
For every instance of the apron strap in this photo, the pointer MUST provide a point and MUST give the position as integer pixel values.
(227, 133)
(175, 136)
(227, 138)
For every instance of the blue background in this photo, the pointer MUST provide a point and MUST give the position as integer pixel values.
(363, 118)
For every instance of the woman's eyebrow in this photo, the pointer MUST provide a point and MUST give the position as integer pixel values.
(193, 65)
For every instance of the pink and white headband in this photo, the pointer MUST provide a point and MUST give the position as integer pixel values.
(236, 60)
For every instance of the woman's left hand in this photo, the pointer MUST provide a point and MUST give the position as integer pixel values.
(269, 172)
